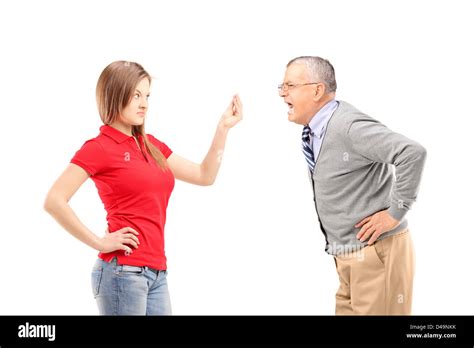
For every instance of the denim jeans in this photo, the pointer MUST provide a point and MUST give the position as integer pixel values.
(129, 290)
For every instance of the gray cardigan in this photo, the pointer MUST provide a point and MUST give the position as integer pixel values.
(353, 177)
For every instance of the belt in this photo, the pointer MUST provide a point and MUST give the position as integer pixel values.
(139, 269)
(156, 271)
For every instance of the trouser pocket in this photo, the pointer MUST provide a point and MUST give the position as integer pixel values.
(96, 278)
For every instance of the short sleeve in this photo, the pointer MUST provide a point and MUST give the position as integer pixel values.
(91, 157)
(165, 150)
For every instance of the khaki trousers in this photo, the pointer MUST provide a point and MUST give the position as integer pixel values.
(378, 279)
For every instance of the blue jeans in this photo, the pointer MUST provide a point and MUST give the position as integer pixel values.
(129, 290)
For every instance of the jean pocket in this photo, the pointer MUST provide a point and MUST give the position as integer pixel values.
(96, 278)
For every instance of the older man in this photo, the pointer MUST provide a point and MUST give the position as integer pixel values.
(361, 206)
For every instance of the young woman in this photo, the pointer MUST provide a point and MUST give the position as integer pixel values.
(134, 173)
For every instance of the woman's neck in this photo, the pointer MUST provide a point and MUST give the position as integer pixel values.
(126, 129)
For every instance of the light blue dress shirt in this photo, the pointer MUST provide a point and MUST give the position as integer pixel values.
(318, 125)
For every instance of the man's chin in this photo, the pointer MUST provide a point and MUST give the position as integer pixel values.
(293, 118)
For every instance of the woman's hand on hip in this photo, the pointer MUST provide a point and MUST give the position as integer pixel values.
(122, 239)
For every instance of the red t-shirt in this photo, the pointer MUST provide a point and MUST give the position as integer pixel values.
(133, 189)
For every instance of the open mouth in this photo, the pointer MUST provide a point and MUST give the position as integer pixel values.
(290, 108)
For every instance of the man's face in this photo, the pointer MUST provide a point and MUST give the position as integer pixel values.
(300, 98)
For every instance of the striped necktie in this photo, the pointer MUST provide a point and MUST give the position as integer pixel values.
(307, 150)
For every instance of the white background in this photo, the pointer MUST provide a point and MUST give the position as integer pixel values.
(250, 244)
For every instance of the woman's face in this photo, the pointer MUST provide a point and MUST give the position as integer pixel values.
(135, 112)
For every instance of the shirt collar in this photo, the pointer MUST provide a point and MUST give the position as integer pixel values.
(319, 121)
(113, 133)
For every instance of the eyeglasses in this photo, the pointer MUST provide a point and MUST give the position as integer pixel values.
(286, 86)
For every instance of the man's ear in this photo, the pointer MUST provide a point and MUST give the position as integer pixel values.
(319, 91)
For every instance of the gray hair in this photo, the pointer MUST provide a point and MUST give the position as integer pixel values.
(319, 69)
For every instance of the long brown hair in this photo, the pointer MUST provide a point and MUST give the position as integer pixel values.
(114, 92)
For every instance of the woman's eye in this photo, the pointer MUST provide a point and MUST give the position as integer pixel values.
(136, 96)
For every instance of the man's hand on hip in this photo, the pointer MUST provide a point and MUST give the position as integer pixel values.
(375, 225)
